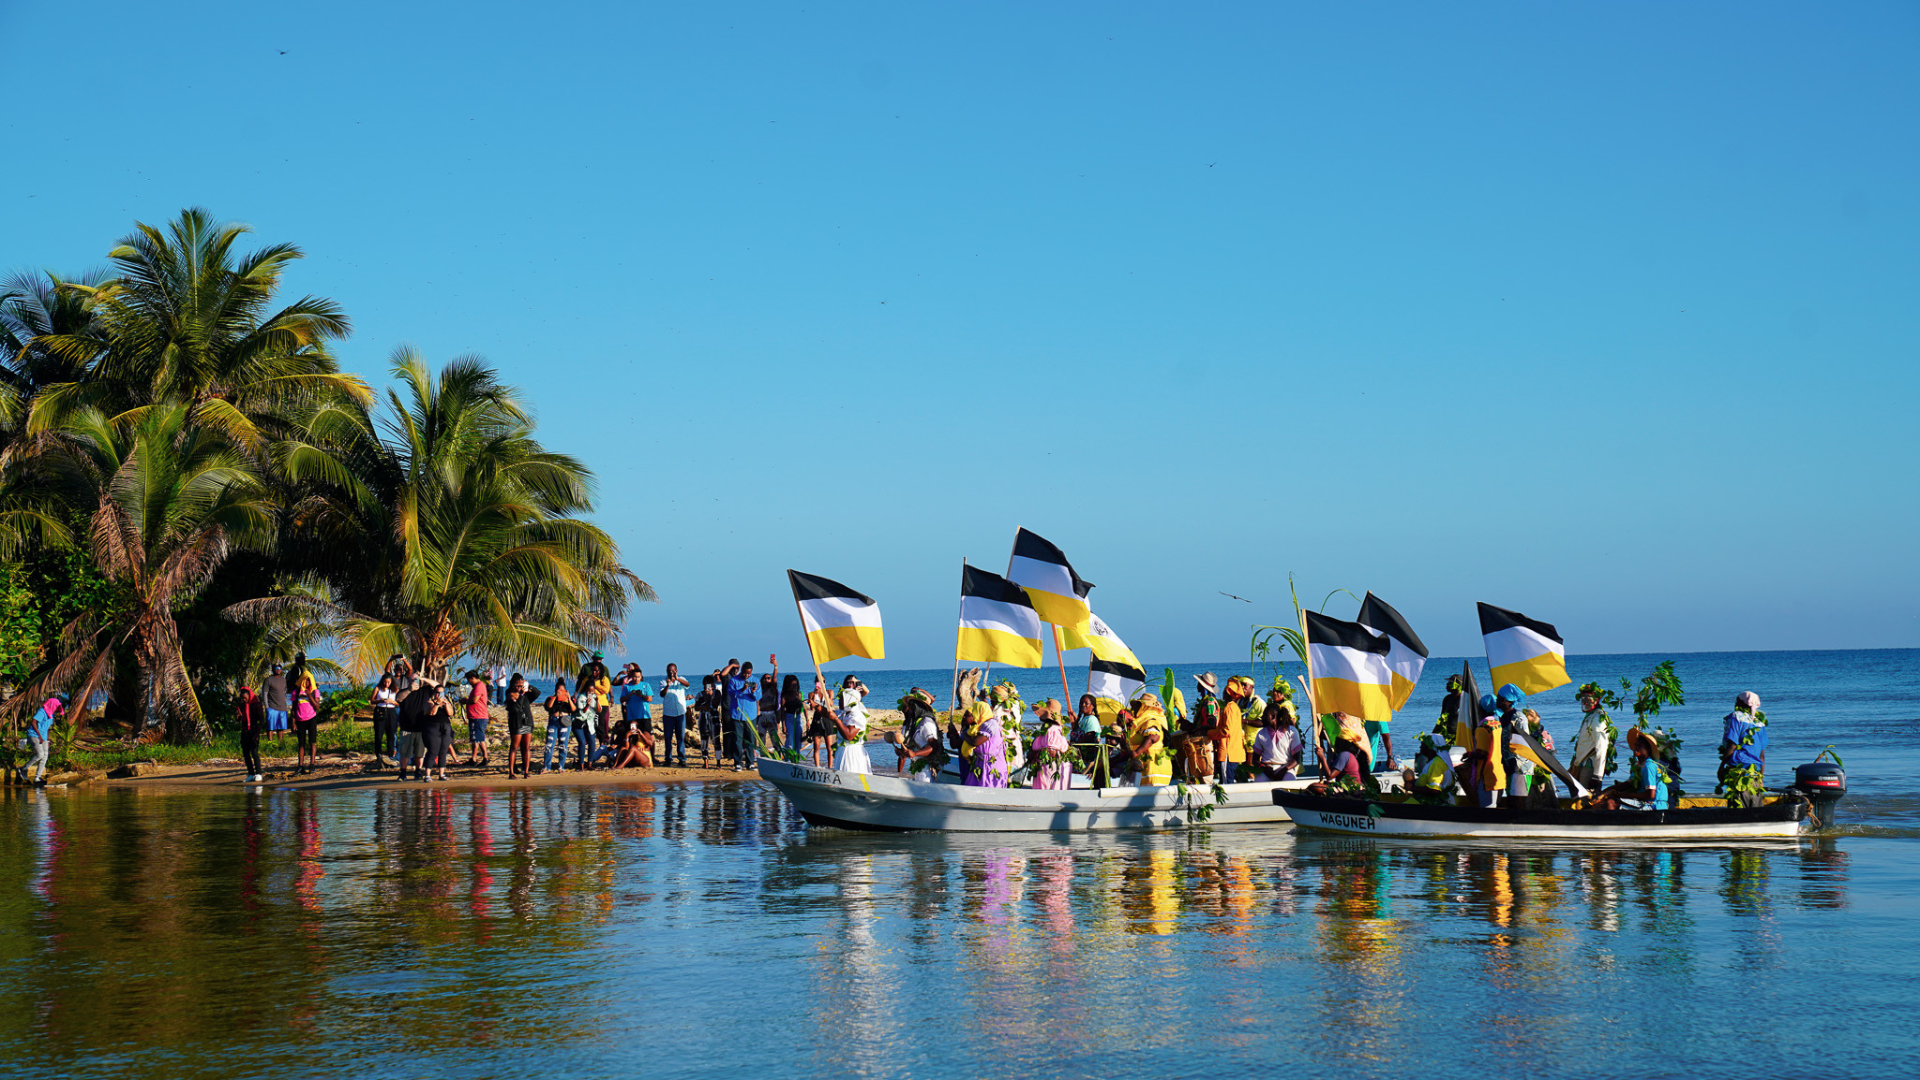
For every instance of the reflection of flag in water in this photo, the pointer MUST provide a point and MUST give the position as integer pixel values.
(1522, 651)
(1406, 654)
(1349, 665)
(998, 624)
(1113, 673)
(1058, 594)
(838, 621)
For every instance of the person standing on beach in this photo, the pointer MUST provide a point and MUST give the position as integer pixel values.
(439, 729)
(386, 718)
(767, 721)
(792, 714)
(712, 710)
(410, 745)
(743, 705)
(559, 725)
(477, 716)
(251, 719)
(586, 706)
(40, 738)
(519, 703)
(636, 704)
(276, 692)
(673, 715)
(594, 678)
(306, 720)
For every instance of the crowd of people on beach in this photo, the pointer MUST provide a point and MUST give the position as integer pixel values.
(600, 719)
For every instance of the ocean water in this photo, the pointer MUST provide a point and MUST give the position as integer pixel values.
(704, 930)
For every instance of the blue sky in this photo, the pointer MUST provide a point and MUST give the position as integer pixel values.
(1600, 312)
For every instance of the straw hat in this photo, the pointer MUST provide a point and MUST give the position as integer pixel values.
(1638, 739)
(1207, 682)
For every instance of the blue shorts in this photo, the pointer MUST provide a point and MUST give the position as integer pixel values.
(276, 719)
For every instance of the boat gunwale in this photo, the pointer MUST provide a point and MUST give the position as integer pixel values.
(1790, 807)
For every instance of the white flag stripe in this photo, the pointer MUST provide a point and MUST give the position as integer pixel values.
(1111, 687)
(984, 614)
(1045, 576)
(837, 611)
(1400, 658)
(1335, 662)
(1106, 644)
(1517, 644)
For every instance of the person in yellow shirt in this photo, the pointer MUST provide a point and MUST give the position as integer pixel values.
(1229, 738)
(1486, 773)
(1147, 739)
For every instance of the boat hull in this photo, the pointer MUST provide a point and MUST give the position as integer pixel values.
(1783, 819)
(889, 802)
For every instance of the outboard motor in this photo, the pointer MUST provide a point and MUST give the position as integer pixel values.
(1824, 783)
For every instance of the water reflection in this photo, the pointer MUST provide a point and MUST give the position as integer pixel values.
(423, 923)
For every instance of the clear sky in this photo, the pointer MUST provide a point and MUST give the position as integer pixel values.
(1606, 313)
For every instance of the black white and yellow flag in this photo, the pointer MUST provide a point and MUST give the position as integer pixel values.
(838, 621)
(1350, 672)
(998, 624)
(1058, 594)
(1525, 652)
(1406, 653)
(1114, 673)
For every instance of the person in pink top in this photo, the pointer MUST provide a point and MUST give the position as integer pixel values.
(1050, 748)
(477, 703)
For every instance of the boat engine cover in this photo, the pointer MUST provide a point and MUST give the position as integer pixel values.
(1824, 784)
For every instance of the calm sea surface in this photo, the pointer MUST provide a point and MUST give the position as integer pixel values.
(704, 930)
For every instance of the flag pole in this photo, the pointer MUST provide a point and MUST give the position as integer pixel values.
(953, 694)
(1061, 659)
(1313, 708)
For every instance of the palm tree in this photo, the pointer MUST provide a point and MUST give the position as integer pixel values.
(187, 318)
(456, 534)
(166, 499)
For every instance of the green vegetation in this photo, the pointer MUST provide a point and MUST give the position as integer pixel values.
(191, 489)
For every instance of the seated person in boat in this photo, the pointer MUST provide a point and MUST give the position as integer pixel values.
(1646, 783)
(1278, 748)
(1349, 734)
(1434, 781)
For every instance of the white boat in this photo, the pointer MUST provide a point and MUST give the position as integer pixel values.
(1782, 816)
(891, 802)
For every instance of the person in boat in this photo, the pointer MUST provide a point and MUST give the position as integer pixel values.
(1646, 782)
(1011, 711)
(1434, 781)
(1743, 752)
(1229, 731)
(1486, 770)
(1050, 748)
(1278, 747)
(850, 729)
(1349, 735)
(982, 748)
(1451, 727)
(1146, 725)
(1593, 746)
(920, 751)
(1519, 761)
(1090, 741)
(1203, 722)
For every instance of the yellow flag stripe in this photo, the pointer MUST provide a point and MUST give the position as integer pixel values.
(1534, 676)
(834, 642)
(998, 647)
(1402, 689)
(1367, 701)
(1059, 610)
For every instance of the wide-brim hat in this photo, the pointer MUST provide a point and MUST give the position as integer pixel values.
(1637, 737)
(1207, 682)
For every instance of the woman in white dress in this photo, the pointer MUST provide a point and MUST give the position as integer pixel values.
(850, 749)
